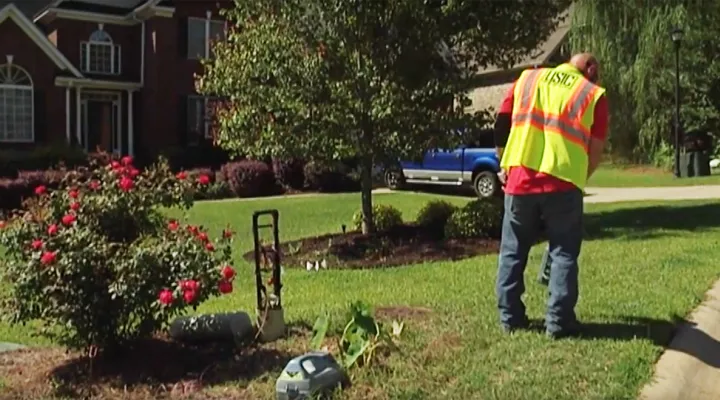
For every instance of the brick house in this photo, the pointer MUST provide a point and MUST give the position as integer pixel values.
(111, 74)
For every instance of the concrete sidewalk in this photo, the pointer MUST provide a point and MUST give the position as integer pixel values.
(690, 367)
(611, 195)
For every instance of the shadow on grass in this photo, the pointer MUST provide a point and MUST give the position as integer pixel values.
(695, 342)
(159, 365)
(456, 191)
(653, 221)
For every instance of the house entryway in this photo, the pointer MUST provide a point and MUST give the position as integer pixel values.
(101, 121)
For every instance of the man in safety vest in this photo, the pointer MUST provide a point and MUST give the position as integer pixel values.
(549, 133)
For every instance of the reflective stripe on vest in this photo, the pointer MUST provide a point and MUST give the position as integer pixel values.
(551, 123)
(566, 124)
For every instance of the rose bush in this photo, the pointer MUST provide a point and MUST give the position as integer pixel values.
(99, 264)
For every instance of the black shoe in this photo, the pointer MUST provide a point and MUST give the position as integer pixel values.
(572, 330)
(525, 324)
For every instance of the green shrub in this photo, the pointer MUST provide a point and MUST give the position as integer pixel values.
(478, 219)
(330, 177)
(97, 262)
(385, 218)
(40, 158)
(435, 214)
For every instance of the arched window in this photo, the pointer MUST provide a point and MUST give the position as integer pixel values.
(99, 55)
(16, 105)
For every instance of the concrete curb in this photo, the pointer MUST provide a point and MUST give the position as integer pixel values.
(690, 366)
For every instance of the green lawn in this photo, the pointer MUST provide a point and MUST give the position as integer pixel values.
(609, 175)
(644, 264)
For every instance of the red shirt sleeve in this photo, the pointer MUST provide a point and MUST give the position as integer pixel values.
(600, 119)
(506, 107)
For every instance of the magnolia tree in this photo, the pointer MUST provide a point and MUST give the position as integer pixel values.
(98, 262)
(371, 80)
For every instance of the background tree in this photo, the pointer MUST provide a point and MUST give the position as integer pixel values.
(372, 80)
(632, 40)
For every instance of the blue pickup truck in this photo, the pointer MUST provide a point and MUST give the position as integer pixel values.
(464, 166)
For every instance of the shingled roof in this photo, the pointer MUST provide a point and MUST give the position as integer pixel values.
(28, 7)
(490, 96)
(544, 51)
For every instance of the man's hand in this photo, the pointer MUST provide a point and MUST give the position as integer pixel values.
(502, 177)
(595, 155)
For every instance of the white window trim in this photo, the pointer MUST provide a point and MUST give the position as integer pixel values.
(30, 88)
(115, 99)
(85, 47)
(206, 39)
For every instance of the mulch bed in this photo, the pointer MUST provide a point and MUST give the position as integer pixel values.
(155, 368)
(405, 245)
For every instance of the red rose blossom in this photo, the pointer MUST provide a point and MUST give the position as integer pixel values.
(173, 225)
(68, 219)
(225, 287)
(209, 247)
(203, 236)
(74, 206)
(37, 244)
(181, 175)
(228, 272)
(126, 184)
(94, 185)
(127, 160)
(115, 165)
(166, 297)
(189, 296)
(3, 224)
(227, 233)
(189, 284)
(40, 190)
(52, 229)
(203, 179)
(132, 172)
(73, 194)
(192, 229)
(48, 257)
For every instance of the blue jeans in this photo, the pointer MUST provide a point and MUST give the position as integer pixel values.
(563, 216)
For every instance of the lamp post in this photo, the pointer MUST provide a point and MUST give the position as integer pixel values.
(677, 35)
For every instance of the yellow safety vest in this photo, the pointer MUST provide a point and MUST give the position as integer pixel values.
(552, 118)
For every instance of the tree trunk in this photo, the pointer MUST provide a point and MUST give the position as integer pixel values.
(366, 193)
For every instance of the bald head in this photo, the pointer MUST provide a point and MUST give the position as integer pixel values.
(587, 64)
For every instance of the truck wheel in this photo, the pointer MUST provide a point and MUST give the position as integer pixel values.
(394, 179)
(486, 184)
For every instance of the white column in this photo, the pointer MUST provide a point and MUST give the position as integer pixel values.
(130, 124)
(78, 116)
(119, 126)
(68, 136)
(208, 16)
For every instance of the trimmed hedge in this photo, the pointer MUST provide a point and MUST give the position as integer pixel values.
(331, 177)
(385, 217)
(40, 158)
(204, 155)
(435, 214)
(250, 178)
(480, 218)
(289, 173)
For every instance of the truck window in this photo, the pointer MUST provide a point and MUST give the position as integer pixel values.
(482, 138)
